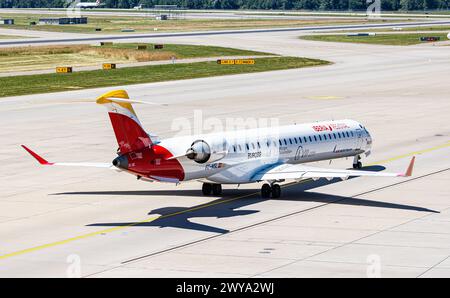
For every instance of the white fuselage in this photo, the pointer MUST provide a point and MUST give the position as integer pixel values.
(88, 5)
(236, 156)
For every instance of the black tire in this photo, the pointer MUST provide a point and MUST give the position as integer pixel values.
(206, 189)
(266, 190)
(276, 191)
(217, 189)
(357, 166)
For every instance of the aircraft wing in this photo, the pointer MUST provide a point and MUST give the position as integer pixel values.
(44, 162)
(297, 172)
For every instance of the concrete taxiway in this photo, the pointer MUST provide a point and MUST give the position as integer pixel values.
(96, 223)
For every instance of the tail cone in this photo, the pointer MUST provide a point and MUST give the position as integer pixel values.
(121, 162)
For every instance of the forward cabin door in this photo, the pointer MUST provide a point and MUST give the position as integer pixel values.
(359, 139)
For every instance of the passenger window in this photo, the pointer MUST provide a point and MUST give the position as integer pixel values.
(279, 141)
(300, 139)
(234, 148)
(348, 135)
(240, 148)
(253, 146)
(290, 141)
(310, 139)
(325, 137)
(259, 146)
(248, 147)
(339, 135)
(304, 139)
(334, 134)
(320, 138)
(315, 138)
(285, 142)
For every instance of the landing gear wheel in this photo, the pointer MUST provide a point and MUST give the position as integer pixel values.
(276, 191)
(356, 162)
(206, 189)
(266, 190)
(217, 189)
(357, 166)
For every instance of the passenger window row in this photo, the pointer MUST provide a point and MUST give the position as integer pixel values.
(292, 141)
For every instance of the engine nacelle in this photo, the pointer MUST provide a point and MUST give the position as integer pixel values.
(201, 152)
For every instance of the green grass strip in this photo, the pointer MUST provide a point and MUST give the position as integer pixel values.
(193, 51)
(383, 39)
(44, 83)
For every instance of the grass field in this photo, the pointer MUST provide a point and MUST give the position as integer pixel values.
(149, 24)
(382, 39)
(10, 37)
(21, 85)
(445, 28)
(404, 14)
(193, 51)
(47, 57)
(427, 28)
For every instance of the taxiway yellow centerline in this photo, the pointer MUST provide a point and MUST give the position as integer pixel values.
(110, 230)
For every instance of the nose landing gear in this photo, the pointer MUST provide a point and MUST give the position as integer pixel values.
(268, 190)
(357, 165)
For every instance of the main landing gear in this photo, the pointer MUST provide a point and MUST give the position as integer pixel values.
(215, 189)
(357, 165)
(267, 190)
(273, 191)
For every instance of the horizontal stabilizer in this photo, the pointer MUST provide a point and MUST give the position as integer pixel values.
(44, 162)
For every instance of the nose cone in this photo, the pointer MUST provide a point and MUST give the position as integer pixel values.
(369, 141)
(121, 162)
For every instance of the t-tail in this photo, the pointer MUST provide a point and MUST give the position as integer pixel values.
(128, 130)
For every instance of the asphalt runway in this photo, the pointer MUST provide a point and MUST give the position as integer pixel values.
(70, 38)
(54, 219)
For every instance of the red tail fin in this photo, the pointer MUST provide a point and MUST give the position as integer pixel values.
(128, 130)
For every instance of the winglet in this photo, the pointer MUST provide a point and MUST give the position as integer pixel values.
(41, 160)
(409, 170)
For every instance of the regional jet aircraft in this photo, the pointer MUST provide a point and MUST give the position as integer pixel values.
(269, 155)
(90, 5)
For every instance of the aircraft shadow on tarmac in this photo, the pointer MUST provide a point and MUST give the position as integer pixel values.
(179, 217)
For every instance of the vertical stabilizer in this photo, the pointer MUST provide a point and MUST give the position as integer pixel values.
(128, 130)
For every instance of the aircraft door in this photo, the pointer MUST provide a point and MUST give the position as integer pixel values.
(359, 139)
(299, 153)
